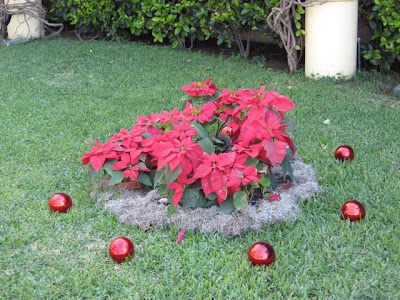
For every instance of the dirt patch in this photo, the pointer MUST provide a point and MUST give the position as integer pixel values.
(133, 207)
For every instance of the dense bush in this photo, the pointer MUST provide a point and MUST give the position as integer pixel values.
(182, 22)
(384, 20)
(176, 22)
(106, 16)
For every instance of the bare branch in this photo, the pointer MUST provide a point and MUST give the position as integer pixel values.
(30, 8)
(281, 20)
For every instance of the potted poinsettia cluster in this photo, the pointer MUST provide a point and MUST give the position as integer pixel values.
(218, 150)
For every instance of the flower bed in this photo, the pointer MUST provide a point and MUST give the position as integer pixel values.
(148, 210)
(218, 151)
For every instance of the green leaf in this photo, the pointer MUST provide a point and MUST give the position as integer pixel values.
(172, 176)
(287, 170)
(372, 24)
(207, 145)
(164, 191)
(116, 177)
(207, 126)
(145, 179)
(107, 166)
(227, 206)
(251, 161)
(92, 172)
(171, 210)
(212, 196)
(265, 182)
(210, 203)
(175, 44)
(146, 135)
(168, 126)
(244, 11)
(240, 200)
(273, 182)
(143, 157)
(159, 174)
(170, 18)
(191, 198)
(196, 186)
(261, 166)
(376, 54)
(141, 165)
(198, 101)
(212, 98)
(178, 30)
(297, 47)
(217, 141)
(200, 130)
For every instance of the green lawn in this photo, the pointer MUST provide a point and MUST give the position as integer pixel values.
(58, 96)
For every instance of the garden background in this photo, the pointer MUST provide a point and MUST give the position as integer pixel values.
(59, 95)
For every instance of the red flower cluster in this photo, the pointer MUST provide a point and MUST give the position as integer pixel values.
(186, 150)
(200, 88)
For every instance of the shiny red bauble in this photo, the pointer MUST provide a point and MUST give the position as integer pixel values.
(261, 254)
(353, 210)
(121, 248)
(60, 202)
(344, 153)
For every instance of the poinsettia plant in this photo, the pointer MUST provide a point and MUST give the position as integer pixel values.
(218, 150)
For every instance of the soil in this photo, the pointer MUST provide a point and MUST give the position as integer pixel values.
(269, 53)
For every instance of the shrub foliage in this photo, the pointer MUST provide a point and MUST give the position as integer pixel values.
(176, 22)
(384, 20)
(182, 22)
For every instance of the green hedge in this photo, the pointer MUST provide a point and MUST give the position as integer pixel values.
(384, 20)
(183, 21)
(177, 22)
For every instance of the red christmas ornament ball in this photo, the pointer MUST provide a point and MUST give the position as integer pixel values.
(353, 211)
(60, 202)
(344, 152)
(261, 254)
(121, 248)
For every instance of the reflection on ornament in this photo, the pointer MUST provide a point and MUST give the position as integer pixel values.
(60, 202)
(121, 248)
(344, 153)
(353, 210)
(261, 254)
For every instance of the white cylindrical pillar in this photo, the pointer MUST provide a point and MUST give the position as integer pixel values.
(331, 39)
(23, 26)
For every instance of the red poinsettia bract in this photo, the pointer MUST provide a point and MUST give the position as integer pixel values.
(100, 153)
(202, 114)
(128, 162)
(214, 174)
(179, 187)
(200, 88)
(175, 152)
(173, 117)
